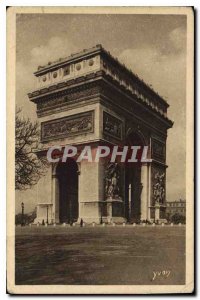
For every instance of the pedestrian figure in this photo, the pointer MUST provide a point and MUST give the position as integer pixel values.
(81, 223)
(43, 222)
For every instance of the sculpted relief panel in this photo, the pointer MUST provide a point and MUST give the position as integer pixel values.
(158, 186)
(67, 126)
(112, 181)
(112, 126)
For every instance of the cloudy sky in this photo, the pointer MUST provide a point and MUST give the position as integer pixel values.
(153, 46)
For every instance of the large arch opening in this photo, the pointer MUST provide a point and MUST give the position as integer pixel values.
(133, 184)
(67, 174)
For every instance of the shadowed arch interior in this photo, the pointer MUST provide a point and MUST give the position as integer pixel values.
(67, 174)
(133, 185)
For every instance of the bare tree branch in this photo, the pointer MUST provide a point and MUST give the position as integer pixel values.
(28, 166)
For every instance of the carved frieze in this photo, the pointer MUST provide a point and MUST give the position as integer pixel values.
(51, 102)
(70, 95)
(67, 126)
(112, 126)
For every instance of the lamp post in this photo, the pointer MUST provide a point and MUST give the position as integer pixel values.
(101, 220)
(47, 214)
(22, 219)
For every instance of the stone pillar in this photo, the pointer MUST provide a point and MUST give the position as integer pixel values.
(55, 196)
(157, 212)
(91, 184)
(149, 192)
(145, 192)
(114, 202)
(129, 201)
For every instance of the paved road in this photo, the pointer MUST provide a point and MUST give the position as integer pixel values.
(100, 255)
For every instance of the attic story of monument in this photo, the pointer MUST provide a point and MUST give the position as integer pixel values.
(90, 98)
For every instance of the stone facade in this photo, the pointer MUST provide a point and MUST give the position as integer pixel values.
(91, 99)
(176, 207)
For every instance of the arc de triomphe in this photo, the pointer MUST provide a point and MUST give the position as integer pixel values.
(90, 98)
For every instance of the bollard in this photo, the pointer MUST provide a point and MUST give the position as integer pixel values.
(64, 224)
(143, 224)
(113, 224)
(38, 224)
(45, 225)
(74, 224)
(83, 224)
(134, 224)
(172, 224)
(30, 224)
(153, 224)
(179, 224)
(163, 224)
(103, 224)
(93, 224)
(54, 224)
(124, 224)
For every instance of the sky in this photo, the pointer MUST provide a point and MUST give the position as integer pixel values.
(153, 46)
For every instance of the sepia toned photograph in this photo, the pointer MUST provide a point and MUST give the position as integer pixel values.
(100, 168)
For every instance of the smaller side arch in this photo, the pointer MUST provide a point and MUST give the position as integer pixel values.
(136, 132)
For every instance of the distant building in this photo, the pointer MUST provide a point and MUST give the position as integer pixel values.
(176, 207)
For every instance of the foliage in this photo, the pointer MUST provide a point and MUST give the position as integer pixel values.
(177, 218)
(25, 219)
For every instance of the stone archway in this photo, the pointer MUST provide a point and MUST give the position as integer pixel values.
(67, 175)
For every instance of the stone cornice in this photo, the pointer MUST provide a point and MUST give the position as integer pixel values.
(69, 59)
(127, 93)
(98, 49)
(62, 87)
(134, 77)
(157, 162)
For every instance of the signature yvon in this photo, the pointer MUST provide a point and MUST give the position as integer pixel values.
(161, 274)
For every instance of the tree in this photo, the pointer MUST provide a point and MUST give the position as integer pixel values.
(28, 166)
(27, 218)
(177, 218)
